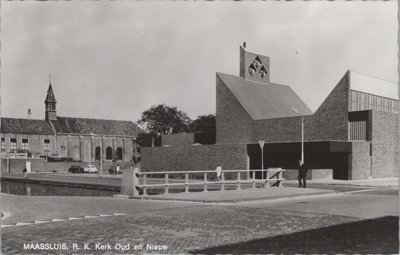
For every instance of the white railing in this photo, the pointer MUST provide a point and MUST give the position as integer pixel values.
(269, 178)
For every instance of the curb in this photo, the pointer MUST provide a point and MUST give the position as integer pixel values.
(216, 201)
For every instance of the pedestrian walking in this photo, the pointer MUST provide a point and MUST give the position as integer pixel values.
(302, 174)
(218, 170)
(25, 172)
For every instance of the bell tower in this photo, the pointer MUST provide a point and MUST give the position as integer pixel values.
(50, 103)
(254, 67)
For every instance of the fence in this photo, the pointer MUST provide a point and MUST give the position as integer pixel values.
(269, 178)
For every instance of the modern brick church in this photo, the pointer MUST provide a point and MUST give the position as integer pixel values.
(354, 134)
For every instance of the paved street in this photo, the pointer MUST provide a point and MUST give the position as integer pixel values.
(362, 220)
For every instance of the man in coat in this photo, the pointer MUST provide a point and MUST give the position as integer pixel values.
(302, 174)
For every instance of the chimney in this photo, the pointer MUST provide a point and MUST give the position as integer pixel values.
(29, 114)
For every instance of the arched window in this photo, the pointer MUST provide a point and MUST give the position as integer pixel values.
(109, 153)
(119, 153)
(97, 153)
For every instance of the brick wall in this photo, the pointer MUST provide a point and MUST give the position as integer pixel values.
(281, 129)
(385, 144)
(200, 157)
(178, 139)
(77, 147)
(330, 121)
(313, 174)
(35, 143)
(233, 123)
(360, 161)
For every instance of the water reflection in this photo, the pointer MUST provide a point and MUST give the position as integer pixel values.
(32, 189)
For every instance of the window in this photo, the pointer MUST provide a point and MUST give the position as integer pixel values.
(24, 144)
(109, 153)
(13, 143)
(119, 153)
(3, 143)
(97, 153)
(358, 130)
(46, 145)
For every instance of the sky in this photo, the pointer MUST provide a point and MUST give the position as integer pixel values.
(115, 59)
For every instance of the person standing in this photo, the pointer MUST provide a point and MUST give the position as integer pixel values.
(219, 171)
(118, 169)
(302, 174)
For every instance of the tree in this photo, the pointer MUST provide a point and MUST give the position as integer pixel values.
(163, 119)
(204, 124)
(204, 128)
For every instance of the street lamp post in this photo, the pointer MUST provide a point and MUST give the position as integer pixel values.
(302, 135)
(101, 153)
(262, 142)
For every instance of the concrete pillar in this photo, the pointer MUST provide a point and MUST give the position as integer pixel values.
(130, 182)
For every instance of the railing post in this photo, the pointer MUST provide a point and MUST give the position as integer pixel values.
(238, 180)
(267, 184)
(280, 176)
(262, 179)
(222, 181)
(254, 179)
(145, 185)
(166, 191)
(186, 182)
(205, 182)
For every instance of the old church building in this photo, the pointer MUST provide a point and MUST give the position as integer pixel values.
(66, 138)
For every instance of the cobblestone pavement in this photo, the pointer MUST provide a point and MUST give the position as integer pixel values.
(206, 229)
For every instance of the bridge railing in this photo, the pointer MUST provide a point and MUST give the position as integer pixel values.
(272, 177)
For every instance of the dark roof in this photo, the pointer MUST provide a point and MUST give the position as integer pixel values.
(96, 126)
(25, 126)
(50, 95)
(265, 100)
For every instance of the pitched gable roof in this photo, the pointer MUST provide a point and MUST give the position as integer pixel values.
(96, 126)
(25, 126)
(265, 100)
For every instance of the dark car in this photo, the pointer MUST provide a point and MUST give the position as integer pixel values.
(75, 169)
(113, 170)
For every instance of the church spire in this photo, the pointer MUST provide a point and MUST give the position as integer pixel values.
(50, 103)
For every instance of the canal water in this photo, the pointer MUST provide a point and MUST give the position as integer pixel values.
(33, 189)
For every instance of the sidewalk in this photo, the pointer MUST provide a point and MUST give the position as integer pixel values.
(381, 182)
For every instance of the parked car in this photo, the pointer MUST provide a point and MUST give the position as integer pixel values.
(75, 169)
(90, 169)
(113, 170)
